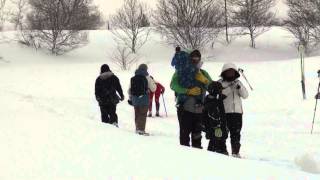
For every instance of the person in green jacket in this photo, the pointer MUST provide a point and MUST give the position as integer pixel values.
(189, 110)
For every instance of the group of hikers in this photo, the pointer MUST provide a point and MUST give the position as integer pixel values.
(203, 105)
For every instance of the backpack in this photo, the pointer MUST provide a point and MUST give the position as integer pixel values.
(139, 85)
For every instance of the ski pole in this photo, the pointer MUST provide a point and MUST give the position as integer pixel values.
(164, 104)
(315, 108)
(244, 76)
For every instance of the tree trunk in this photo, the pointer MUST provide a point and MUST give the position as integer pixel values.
(226, 20)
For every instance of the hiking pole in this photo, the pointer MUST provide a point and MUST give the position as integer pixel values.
(241, 71)
(315, 108)
(164, 104)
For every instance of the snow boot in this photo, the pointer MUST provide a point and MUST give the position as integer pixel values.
(150, 115)
(157, 114)
(236, 156)
(142, 133)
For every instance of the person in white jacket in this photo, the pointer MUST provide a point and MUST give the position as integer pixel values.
(234, 91)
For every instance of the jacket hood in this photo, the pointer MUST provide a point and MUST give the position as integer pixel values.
(106, 75)
(228, 66)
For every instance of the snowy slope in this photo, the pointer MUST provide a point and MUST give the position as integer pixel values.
(50, 126)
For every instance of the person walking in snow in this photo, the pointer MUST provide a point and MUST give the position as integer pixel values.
(234, 91)
(188, 108)
(214, 119)
(141, 85)
(159, 91)
(107, 92)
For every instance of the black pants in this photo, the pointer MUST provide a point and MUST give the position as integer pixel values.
(190, 125)
(108, 113)
(218, 144)
(234, 125)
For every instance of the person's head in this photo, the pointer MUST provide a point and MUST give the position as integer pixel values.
(143, 67)
(178, 49)
(104, 68)
(195, 57)
(215, 88)
(230, 72)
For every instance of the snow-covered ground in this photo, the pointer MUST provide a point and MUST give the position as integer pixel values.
(50, 122)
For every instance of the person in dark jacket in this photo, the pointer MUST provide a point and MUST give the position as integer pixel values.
(107, 91)
(214, 119)
(174, 60)
(189, 111)
(141, 85)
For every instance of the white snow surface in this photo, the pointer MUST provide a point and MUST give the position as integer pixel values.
(50, 125)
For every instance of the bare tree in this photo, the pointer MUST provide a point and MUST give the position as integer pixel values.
(189, 23)
(2, 13)
(58, 25)
(127, 25)
(303, 22)
(226, 19)
(17, 15)
(124, 58)
(254, 15)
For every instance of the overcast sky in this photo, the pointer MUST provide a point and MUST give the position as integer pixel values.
(110, 6)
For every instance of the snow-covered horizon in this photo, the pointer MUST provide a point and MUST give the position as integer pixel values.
(50, 124)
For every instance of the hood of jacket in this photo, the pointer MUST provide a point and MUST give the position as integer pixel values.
(228, 66)
(106, 75)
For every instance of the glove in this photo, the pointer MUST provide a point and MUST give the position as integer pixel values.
(122, 98)
(201, 78)
(130, 102)
(162, 92)
(218, 132)
(196, 91)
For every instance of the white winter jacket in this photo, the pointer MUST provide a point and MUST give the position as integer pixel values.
(233, 102)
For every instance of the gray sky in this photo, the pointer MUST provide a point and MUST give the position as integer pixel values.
(110, 6)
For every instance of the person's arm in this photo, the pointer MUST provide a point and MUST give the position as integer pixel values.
(118, 87)
(162, 88)
(243, 92)
(207, 75)
(175, 86)
(98, 89)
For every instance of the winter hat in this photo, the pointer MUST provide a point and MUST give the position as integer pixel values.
(105, 68)
(195, 53)
(215, 88)
(143, 67)
(178, 49)
(227, 67)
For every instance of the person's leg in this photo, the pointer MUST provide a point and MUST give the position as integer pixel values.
(157, 100)
(211, 145)
(104, 114)
(196, 130)
(113, 114)
(184, 125)
(234, 123)
(136, 118)
(150, 104)
(143, 117)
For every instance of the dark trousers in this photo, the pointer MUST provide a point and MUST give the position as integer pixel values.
(108, 113)
(218, 144)
(190, 125)
(141, 117)
(234, 125)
